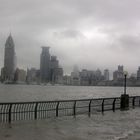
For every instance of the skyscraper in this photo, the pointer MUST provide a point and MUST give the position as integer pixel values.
(9, 60)
(138, 74)
(54, 64)
(106, 75)
(118, 74)
(45, 65)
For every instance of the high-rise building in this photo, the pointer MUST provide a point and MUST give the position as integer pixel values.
(2, 75)
(115, 74)
(84, 79)
(33, 76)
(9, 60)
(138, 74)
(106, 75)
(118, 74)
(57, 76)
(98, 74)
(45, 65)
(75, 76)
(120, 68)
(54, 64)
(20, 75)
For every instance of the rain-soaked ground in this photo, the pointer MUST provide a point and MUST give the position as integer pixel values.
(110, 126)
(121, 125)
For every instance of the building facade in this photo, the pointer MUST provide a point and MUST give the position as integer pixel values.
(118, 74)
(45, 65)
(50, 71)
(138, 74)
(106, 75)
(54, 64)
(33, 76)
(20, 76)
(75, 76)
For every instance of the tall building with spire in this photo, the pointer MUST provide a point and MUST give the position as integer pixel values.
(9, 59)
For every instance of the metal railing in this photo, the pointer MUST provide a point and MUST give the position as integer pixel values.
(15, 111)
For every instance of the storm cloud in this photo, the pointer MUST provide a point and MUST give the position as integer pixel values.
(89, 33)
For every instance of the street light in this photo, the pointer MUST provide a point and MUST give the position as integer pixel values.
(125, 97)
(125, 75)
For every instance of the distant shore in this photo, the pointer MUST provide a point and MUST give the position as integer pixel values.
(109, 84)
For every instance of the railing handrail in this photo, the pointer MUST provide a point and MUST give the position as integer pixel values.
(10, 111)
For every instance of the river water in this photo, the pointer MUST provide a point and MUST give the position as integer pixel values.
(12, 93)
(121, 125)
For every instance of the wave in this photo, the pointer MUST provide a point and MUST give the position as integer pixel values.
(124, 135)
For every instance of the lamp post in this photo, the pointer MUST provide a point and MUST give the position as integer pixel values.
(125, 76)
(125, 97)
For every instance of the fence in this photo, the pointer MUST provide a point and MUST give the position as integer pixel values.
(45, 109)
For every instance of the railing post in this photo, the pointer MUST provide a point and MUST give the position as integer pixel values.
(113, 107)
(57, 107)
(36, 105)
(133, 102)
(89, 107)
(103, 105)
(74, 108)
(9, 113)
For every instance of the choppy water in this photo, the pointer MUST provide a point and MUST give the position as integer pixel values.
(39, 93)
(121, 125)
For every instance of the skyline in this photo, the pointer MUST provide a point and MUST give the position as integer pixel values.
(102, 70)
(94, 34)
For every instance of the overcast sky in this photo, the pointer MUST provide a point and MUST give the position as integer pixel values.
(89, 33)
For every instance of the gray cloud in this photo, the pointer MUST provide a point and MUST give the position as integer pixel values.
(92, 34)
(70, 33)
(131, 42)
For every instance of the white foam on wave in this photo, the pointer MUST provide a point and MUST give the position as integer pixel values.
(124, 135)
